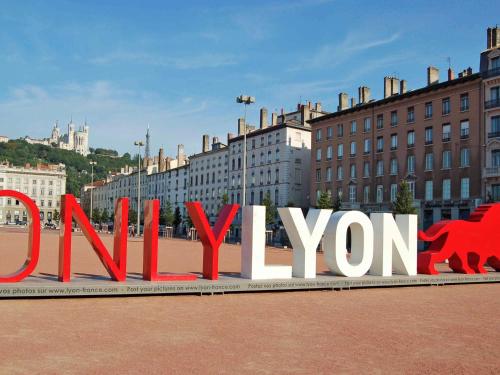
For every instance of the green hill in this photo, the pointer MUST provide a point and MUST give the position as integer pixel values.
(19, 153)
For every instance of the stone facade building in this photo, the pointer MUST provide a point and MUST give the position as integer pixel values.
(44, 183)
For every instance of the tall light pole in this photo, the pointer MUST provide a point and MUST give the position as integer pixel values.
(246, 100)
(92, 163)
(139, 144)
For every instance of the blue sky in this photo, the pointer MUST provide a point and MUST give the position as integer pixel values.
(179, 65)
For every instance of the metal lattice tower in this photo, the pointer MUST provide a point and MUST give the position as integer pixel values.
(147, 149)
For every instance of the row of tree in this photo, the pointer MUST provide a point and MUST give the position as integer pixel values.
(402, 205)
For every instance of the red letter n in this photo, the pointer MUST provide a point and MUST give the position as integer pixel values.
(211, 240)
(116, 266)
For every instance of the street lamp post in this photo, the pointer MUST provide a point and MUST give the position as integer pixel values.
(246, 100)
(139, 144)
(92, 163)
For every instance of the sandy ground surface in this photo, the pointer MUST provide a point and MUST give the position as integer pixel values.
(448, 329)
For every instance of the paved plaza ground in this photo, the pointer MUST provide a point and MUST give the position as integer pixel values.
(447, 329)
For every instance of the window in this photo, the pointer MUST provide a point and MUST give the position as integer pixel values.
(394, 118)
(495, 126)
(464, 129)
(340, 130)
(428, 110)
(367, 124)
(318, 136)
(352, 193)
(411, 163)
(394, 166)
(411, 187)
(380, 168)
(366, 168)
(495, 63)
(495, 94)
(464, 188)
(446, 132)
(353, 170)
(446, 159)
(367, 145)
(269, 155)
(428, 190)
(446, 189)
(277, 176)
(277, 154)
(411, 138)
(495, 158)
(464, 102)
(340, 173)
(329, 152)
(353, 149)
(380, 121)
(380, 144)
(269, 139)
(318, 155)
(445, 106)
(394, 192)
(329, 132)
(318, 175)
(428, 135)
(394, 141)
(340, 151)
(354, 127)
(464, 157)
(366, 194)
(410, 116)
(268, 176)
(429, 162)
(328, 174)
(380, 193)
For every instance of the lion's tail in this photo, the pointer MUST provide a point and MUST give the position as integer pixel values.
(422, 236)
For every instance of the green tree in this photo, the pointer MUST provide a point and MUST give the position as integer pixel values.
(177, 218)
(225, 199)
(325, 201)
(132, 216)
(104, 216)
(271, 210)
(96, 215)
(56, 216)
(404, 200)
(167, 215)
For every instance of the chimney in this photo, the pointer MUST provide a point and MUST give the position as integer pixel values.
(342, 101)
(274, 119)
(241, 126)
(432, 75)
(469, 71)
(161, 161)
(309, 104)
(180, 151)
(495, 37)
(353, 102)
(451, 75)
(394, 86)
(304, 113)
(363, 94)
(387, 87)
(318, 107)
(403, 86)
(215, 140)
(229, 137)
(263, 118)
(205, 147)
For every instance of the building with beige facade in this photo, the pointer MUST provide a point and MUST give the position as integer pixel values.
(44, 183)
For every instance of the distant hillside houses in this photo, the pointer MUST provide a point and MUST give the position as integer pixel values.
(73, 140)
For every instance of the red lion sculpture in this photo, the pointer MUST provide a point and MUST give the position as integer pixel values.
(467, 244)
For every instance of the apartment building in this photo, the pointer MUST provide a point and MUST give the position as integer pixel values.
(490, 72)
(278, 159)
(44, 183)
(208, 176)
(430, 136)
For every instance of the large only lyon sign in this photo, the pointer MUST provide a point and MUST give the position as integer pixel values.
(380, 244)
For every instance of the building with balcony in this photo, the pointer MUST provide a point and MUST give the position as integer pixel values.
(44, 183)
(430, 137)
(490, 72)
